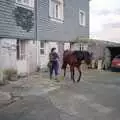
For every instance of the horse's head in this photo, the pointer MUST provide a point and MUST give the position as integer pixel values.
(66, 52)
(65, 57)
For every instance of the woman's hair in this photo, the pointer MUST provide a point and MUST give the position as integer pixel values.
(53, 49)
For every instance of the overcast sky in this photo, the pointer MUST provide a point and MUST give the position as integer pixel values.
(105, 19)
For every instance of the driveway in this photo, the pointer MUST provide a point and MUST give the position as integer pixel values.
(96, 97)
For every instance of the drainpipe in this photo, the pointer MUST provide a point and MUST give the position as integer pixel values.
(36, 28)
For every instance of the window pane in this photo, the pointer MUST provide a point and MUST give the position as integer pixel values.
(18, 50)
(52, 9)
(26, 1)
(82, 17)
(42, 51)
(61, 12)
(85, 47)
(42, 44)
(19, 1)
(56, 11)
(22, 49)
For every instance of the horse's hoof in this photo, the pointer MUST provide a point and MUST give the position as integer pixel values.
(78, 81)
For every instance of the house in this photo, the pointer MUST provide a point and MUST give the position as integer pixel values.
(53, 23)
(17, 35)
(60, 21)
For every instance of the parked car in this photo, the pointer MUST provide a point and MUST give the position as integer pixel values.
(116, 63)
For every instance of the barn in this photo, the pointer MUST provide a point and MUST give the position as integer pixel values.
(101, 49)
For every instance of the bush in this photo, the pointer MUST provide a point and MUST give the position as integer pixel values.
(10, 74)
(2, 80)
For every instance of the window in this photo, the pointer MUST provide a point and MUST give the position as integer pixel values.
(83, 47)
(19, 1)
(82, 18)
(66, 46)
(25, 3)
(20, 49)
(42, 47)
(56, 10)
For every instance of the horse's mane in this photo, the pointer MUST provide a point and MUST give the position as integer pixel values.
(81, 54)
(77, 53)
(66, 52)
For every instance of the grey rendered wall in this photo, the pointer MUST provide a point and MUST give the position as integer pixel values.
(8, 26)
(70, 29)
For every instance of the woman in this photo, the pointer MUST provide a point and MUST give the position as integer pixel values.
(53, 63)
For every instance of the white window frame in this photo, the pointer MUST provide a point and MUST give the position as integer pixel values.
(84, 18)
(42, 48)
(30, 5)
(52, 10)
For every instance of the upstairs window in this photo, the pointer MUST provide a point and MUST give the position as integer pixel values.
(82, 20)
(56, 10)
(25, 3)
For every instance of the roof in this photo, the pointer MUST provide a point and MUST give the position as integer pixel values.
(95, 41)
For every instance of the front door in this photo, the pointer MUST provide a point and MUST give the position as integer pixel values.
(22, 66)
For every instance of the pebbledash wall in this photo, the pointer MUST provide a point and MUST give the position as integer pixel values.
(8, 56)
(7, 53)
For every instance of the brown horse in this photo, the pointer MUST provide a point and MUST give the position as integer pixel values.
(74, 59)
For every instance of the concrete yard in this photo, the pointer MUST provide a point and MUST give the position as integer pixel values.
(96, 97)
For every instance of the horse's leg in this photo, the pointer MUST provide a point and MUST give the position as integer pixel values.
(80, 73)
(64, 72)
(64, 65)
(72, 73)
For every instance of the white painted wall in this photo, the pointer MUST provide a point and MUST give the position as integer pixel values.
(31, 52)
(7, 53)
(75, 46)
(22, 67)
(43, 59)
(8, 57)
(66, 46)
(29, 64)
